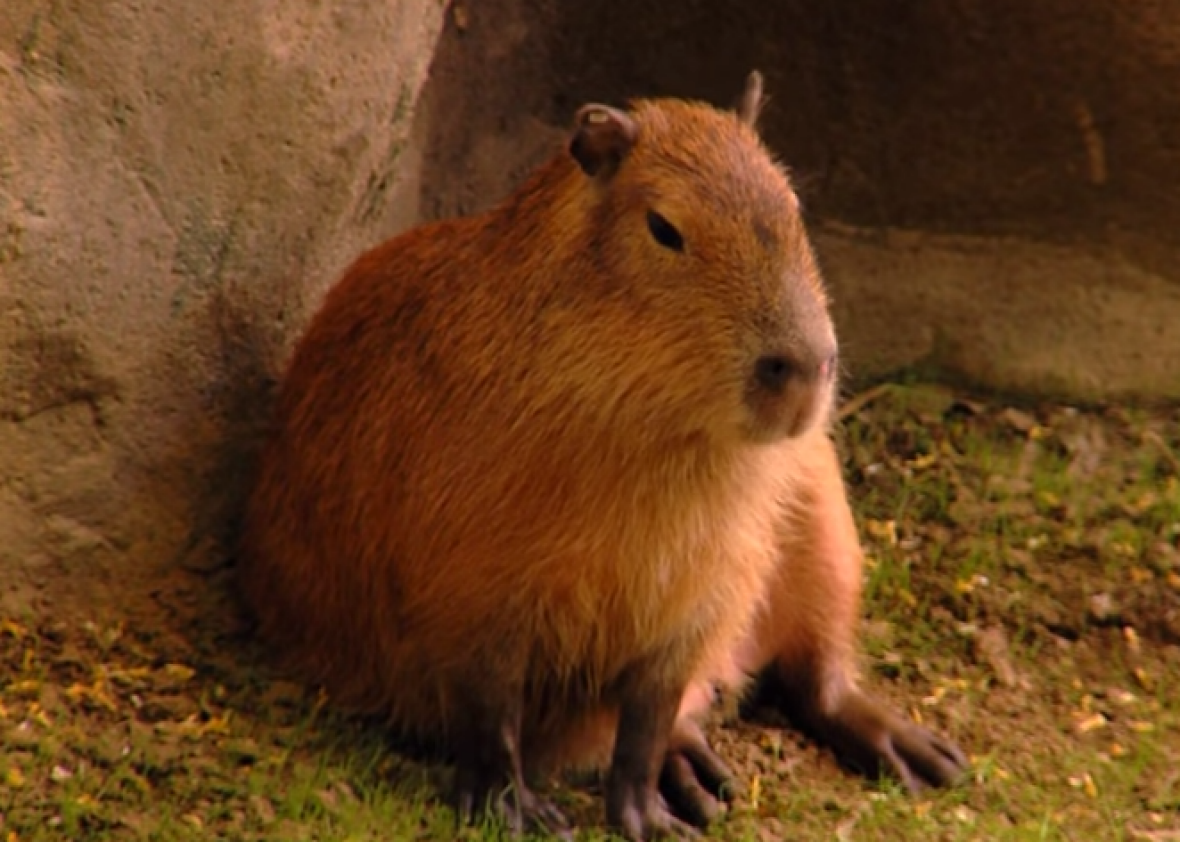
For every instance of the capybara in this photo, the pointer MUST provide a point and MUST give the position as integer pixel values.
(544, 478)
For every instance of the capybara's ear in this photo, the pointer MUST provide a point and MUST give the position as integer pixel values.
(750, 104)
(602, 138)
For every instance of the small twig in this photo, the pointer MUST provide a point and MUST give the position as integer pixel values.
(1166, 452)
(862, 400)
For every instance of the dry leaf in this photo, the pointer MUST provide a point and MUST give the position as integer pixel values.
(991, 648)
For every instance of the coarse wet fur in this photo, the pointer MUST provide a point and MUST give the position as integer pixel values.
(542, 479)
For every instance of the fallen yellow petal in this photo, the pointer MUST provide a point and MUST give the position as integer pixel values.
(188, 726)
(217, 724)
(97, 694)
(885, 530)
(1144, 679)
(37, 713)
(1089, 786)
(1091, 723)
(1122, 548)
(920, 463)
(935, 697)
(1048, 499)
(965, 586)
(13, 628)
(179, 672)
(1139, 575)
(126, 675)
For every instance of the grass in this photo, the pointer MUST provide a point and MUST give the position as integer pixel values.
(1022, 594)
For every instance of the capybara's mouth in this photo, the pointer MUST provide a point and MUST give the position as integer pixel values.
(791, 412)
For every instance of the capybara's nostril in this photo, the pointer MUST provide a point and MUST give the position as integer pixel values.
(772, 372)
(827, 369)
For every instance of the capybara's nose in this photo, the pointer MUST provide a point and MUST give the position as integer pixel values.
(774, 373)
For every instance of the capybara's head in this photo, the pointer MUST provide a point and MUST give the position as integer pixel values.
(700, 229)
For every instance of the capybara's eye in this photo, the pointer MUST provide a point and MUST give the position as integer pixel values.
(664, 232)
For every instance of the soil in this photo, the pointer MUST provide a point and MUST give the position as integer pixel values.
(990, 184)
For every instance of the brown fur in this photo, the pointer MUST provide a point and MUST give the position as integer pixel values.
(520, 450)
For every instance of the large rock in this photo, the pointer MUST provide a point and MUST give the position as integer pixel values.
(178, 181)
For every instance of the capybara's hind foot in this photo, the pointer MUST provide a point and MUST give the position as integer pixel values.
(517, 807)
(875, 738)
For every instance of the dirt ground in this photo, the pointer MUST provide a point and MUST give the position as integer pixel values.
(1023, 595)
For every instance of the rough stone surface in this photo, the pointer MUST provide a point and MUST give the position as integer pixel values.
(178, 181)
(1013, 315)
